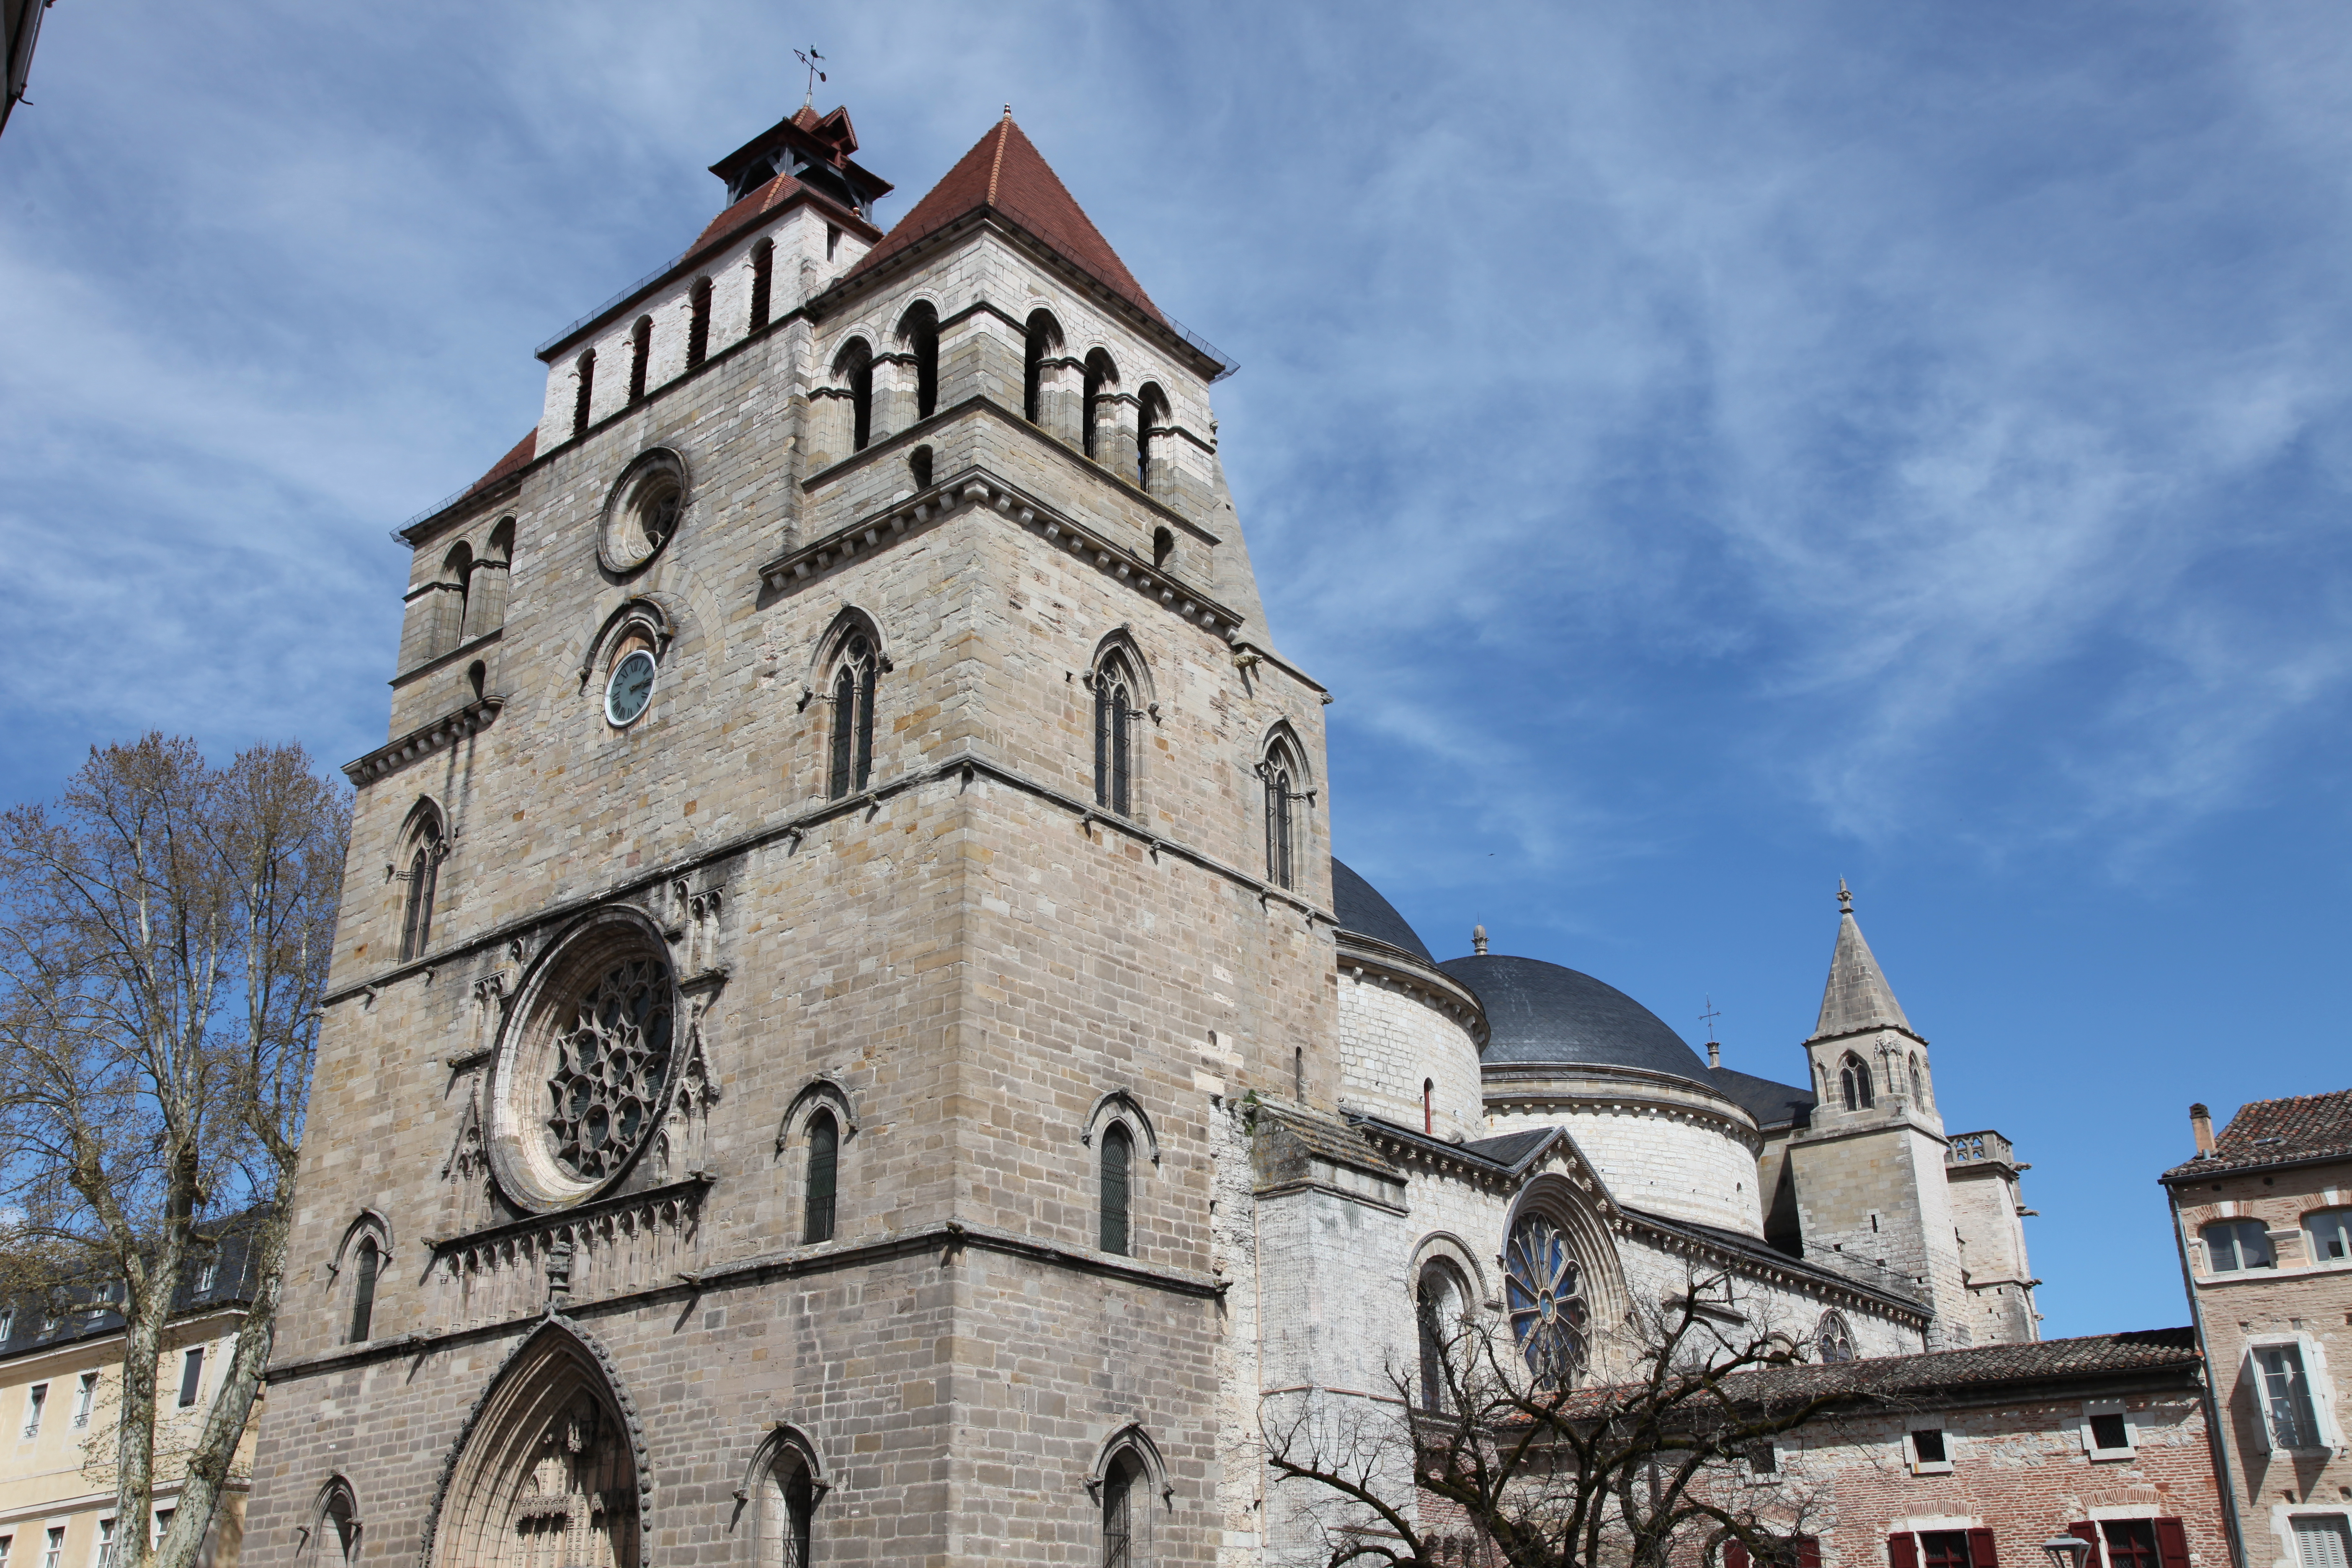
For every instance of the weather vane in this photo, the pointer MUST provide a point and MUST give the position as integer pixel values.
(809, 57)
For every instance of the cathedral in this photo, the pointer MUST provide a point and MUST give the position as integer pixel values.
(848, 1042)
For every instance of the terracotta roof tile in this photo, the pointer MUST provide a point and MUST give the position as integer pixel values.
(1005, 173)
(520, 457)
(766, 197)
(2273, 1131)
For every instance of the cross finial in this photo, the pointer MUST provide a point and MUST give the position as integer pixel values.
(809, 57)
(1845, 899)
(1708, 1018)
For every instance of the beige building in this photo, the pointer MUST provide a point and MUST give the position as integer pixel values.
(60, 1386)
(2264, 1218)
(847, 1041)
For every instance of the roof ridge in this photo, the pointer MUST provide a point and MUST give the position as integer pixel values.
(996, 165)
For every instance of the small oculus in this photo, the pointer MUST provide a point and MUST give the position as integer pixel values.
(630, 688)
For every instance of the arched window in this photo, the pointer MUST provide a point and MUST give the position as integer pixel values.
(1117, 1163)
(1101, 380)
(918, 468)
(486, 583)
(697, 325)
(1832, 1341)
(1543, 1288)
(421, 872)
(585, 391)
(1281, 774)
(1440, 1304)
(852, 719)
(763, 268)
(824, 1170)
(334, 1537)
(1151, 427)
(1918, 1084)
(1044, 336)
(1429, 1105)
(853, 369)
(919, 329)
(1853, 1083)
(365, 1263)
(449, 610)
(641, 349)
(1118, 1493)
(1163, 545)
(1115, 717)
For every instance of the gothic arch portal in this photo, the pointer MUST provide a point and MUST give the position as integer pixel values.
(550, 1471)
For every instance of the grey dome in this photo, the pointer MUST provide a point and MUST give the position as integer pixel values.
(1538, 1012)
(1362, 910)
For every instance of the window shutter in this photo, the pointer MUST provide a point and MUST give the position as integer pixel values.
(1903, 1550)
(1734, 1555)
(1980, 1551)
(2086, 1530)
(2171, 1544)
(2250, 1377)
(1809, 1552)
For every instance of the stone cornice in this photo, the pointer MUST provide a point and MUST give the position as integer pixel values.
(1425, 983)
(423, 742)
(966, 765)
(947, 1238)
(1538, 1086)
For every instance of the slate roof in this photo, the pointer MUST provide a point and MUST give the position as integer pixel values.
(232, 1284)
(1507, 1155)
(1765, 1255)
(1857, 997)
(1545, 1013)
(1772, 1104)
(2278, 1132)
(1362, 910)
(1006, 173)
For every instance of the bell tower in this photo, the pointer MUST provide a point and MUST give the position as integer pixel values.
(875, 844)
(1869, 1171)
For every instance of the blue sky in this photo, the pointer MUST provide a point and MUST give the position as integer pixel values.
(1708, 450)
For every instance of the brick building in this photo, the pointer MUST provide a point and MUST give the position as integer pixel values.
(1973, 1458)
(848, 1041)
(2263, 1218)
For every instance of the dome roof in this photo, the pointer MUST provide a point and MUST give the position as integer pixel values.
(1362, 910)
(1545, 1013)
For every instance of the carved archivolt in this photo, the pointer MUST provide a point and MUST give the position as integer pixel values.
(548, 1473)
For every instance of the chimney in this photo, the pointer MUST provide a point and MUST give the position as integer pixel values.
(1478, 940)
(2200, 1122)
(1714, 1054)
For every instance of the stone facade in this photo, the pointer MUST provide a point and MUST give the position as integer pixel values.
(849, 1086)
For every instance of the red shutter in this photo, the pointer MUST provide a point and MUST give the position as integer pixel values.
(1734, 1555)
(2171, 1544)
(1809, 1552)
(2089, 1532)
(1903, 1550)
(1980, 1553)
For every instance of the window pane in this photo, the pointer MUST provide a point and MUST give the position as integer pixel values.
(2131, 1543)
(2330, 1231)
(2109, 1432)
(1929, 1446)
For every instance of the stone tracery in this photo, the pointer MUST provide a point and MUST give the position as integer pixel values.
(611, 1068)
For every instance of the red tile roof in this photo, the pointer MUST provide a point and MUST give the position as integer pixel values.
(2274, 1132)
(520, 457)
(1004, 173)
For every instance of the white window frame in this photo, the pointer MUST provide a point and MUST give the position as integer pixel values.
(2315, 1377)
(2282, 1518)
(36, 1399)
(2131, 1431)
(53, 1545)
(204, 1363)
(2311, 1253)
(1920, 1467)
(85, 1399)
(103, 1542)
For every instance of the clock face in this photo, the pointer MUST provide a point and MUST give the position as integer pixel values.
(631, 688)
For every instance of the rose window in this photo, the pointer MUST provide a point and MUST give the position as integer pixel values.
(1543, 1287)
(610, 1068)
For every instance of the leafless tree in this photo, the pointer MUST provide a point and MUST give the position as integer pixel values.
(165, 927)
(1548, 1466)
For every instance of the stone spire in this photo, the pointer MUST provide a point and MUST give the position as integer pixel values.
(1857, 998)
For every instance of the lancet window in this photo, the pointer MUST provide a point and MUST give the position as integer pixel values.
(1151, 430)
(1281, 775)
(853, 369)
(1121, 1486)
(641, 350)
(1118, 1170)
(919, 329)
(1115, 712)
(1440, 1305)
(1043, 338)
(1832, 1339)
(420, 873)
(763, 269)
(823, 1175)
(367, 1261)
(851, 761)
(585, 390)
(1854, 1088)
(1100, 381)
(698, 326)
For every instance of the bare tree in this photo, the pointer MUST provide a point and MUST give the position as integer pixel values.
(165, 928)
(1549, 1467)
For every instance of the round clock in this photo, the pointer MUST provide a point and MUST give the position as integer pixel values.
(631, 688)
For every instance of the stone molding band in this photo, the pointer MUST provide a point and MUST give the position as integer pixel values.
(946, 1238)
(964, 764)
